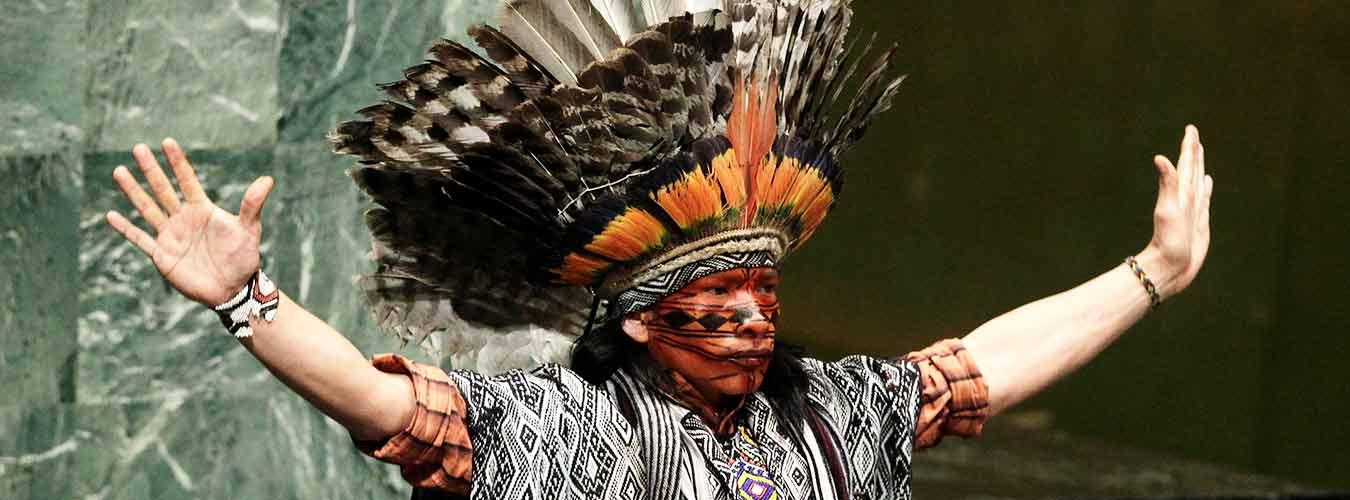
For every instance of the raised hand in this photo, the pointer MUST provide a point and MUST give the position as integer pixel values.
(204, 251)
(1181, 216)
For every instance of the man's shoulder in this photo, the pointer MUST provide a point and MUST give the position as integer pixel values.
(858, 376)
(855, 366)
(547, 377)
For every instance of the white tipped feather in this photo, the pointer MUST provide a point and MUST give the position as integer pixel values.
(587, 23)
(621, 15)
(696, 6)
(660, 11)
(533, 26)
(565, 36)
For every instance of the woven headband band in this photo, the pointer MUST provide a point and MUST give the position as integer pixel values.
(648, 293)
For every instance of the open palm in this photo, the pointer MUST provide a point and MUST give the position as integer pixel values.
(1181, 215)
(204, 251)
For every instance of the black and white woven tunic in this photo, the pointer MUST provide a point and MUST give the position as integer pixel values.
(548, 434)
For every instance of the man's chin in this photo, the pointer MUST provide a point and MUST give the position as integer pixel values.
(741, 385)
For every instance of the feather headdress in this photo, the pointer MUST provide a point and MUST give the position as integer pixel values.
(600, 144)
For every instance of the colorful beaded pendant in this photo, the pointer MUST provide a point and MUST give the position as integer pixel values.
(751, 481)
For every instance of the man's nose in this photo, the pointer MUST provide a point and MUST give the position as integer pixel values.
(751, 321)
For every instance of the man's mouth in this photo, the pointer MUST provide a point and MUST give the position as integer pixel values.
(751, 359)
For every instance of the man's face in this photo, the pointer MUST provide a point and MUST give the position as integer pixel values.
(717, 331)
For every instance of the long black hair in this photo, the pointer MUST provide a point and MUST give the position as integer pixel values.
(606, 349)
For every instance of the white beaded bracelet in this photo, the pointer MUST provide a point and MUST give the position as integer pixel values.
(258, 299)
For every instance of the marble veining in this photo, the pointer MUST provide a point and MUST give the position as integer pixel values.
(202, 70)
(334, 51)
(41, 106)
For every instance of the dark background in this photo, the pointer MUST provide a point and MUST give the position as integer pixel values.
(1016, 164)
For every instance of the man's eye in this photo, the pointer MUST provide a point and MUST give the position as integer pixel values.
(718, 291)
(767, 288)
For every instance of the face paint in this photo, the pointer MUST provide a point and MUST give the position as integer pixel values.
(717, 333)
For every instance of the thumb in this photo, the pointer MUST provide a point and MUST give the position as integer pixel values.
(1166, 172)
(250, 209)
(1167, 178)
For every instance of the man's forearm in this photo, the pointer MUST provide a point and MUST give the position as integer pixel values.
(1025, 350)
(322, 366)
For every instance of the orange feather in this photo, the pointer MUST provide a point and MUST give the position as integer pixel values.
(628, 236)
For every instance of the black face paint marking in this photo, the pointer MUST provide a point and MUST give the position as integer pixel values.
(744, 314)
(712, 318)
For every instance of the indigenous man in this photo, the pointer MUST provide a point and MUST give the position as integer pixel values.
(630, 179)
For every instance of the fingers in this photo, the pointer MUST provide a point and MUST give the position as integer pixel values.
(139, 199)
(1197, 160)
(187, 178)
(1186, 164)
(159, 183)
(250, 209)
(1208, 193)
(132, 233)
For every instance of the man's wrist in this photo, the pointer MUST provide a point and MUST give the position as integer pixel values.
(259, 298)
(1160, 272)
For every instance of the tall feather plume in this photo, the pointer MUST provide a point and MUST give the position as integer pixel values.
(811, 60)
(874, 96)
(524, 71)
(535, 26)
(447, 257)
(823, 103)
(714, 40)
(431, 254)
(746, 33)
(588, 24)
(595, 132)
(474, 160)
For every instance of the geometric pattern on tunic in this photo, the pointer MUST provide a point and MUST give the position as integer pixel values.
(548, 434)
(875, 419)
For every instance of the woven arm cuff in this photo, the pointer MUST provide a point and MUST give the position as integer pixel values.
(434, 451)
(955, 398)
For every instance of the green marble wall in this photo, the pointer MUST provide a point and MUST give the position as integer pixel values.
(1015, 165)
(113, 386)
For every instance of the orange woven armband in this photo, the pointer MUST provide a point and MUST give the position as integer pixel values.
(955, 398)
(434, 451)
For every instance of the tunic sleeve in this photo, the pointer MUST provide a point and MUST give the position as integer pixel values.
(870, 405)
(881, 409)
(955, 398)
(546, 433)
